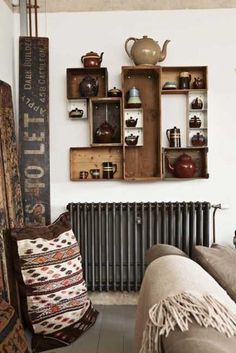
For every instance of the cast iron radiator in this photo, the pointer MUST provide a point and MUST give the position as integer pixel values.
(114, 237)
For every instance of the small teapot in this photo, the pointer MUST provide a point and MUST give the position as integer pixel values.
(145, 51)
(131, 140)
(198, 83)
(197, 103)
(105, 133)
(131, 122)
(183, 167)
(76, 113)
(88, 87)
(91, 59)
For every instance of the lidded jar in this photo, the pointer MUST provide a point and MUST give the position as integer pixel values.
(195, 122)
(198, 140)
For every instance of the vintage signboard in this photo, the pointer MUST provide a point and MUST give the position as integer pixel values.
(34, 129)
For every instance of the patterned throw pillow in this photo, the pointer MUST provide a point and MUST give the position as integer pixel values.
(52, 289)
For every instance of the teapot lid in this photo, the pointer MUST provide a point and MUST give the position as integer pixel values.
(92, 54)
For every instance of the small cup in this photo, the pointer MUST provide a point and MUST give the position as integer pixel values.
(83, 174)
(95, 173)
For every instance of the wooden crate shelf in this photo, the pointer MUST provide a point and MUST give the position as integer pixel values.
(198, 154)
(86, 158)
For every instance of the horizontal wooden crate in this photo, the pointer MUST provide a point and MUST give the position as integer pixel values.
(86, 158)
(171, 73)
(75, 75)
(198, 154)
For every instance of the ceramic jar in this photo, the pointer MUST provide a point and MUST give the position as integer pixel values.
(88, 87)
(198, 140)
(198, 83)
(195, 122)
(131, 140)
(105, 133)
(114, 92)
(184, 80)
(197, 103)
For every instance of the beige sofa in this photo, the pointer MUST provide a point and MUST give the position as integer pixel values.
(166, 321)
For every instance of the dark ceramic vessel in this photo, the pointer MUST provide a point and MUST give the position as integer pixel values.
(131, 140)
(195, 122)
(105, 133)
(131, 122)
(88, 87)
(198, 140)
(92, 59)
(183, 167)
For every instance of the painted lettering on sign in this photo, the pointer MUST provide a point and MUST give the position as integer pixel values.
(34, 129)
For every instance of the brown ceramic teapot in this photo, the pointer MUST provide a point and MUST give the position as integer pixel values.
(91, 59)
(145, 51)
(183, 167)
(105, 133)
(88, 87)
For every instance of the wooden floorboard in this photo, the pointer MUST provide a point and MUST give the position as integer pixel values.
(112, 333)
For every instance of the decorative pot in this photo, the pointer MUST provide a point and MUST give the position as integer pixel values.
(198, 140)
(197, 103)
(105, 133)
(114, 92)
(88, 87)
(131, 122)
(195, 122)
(183, 167)
(91, 59)
(145, 51)
(131, 140)
(198, 83)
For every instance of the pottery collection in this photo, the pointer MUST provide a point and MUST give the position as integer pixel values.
(145, 51)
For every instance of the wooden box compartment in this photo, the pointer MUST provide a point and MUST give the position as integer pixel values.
(106, 110)
(77, 104)
(76, 75)
(198, 154)
(171, 73)
(87, 158)
(144, 162)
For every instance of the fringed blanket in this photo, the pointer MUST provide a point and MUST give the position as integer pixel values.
(175, 293)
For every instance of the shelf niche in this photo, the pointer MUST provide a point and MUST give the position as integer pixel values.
(144, 162)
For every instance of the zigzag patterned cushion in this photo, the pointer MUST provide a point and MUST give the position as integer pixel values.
(53, 292)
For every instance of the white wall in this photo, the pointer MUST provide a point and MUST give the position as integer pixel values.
(198, 37)
(6, 43)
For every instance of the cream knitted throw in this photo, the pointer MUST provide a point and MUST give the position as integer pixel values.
(175, 292)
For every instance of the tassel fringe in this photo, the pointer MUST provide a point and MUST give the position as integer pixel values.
(181, 310)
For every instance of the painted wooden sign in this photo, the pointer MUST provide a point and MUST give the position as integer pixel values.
(34, 129)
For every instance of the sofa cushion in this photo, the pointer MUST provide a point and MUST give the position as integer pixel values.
(53, 292)
(198, 339)
(220, 262)
(159, 250)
